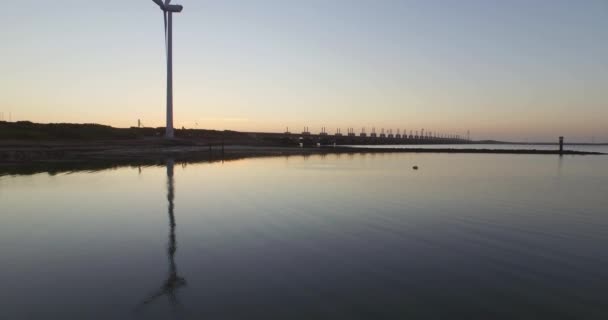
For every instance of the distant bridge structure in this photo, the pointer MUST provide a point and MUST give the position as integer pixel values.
(386, 137)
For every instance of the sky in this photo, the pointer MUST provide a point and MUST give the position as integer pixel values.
(509, 70)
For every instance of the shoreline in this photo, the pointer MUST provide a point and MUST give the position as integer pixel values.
(19, 158)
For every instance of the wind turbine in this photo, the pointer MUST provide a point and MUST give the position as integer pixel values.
(168, 10)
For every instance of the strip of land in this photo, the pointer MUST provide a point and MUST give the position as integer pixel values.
(157, 149)
(18, 158)
(73, 147)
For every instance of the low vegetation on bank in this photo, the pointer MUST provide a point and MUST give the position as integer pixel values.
(29, 131)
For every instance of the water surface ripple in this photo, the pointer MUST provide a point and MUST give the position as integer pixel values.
(467, 236)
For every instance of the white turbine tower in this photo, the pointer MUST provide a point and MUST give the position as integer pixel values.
(168, 10)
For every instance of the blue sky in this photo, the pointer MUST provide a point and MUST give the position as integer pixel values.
(502, 69)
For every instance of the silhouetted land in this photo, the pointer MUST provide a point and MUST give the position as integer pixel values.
(27, 147)
(25, 131)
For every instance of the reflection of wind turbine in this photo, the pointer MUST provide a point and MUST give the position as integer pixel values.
(168, 10)
(173, 282)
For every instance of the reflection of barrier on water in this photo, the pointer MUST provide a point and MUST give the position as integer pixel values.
(173, 281)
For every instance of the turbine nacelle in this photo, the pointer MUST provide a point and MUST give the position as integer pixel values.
(174, 8)
(168, 7)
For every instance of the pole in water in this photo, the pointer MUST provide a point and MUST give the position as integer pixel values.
(561, 145)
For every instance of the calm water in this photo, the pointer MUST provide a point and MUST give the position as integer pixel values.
(574, 147)
(335, 237)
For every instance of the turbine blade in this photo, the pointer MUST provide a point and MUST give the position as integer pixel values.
(160, 4)
(166, 44)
